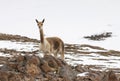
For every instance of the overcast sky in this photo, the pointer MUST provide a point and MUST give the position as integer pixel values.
(64, 18)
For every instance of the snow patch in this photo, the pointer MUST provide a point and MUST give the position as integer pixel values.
(83, 74)
(19, 46)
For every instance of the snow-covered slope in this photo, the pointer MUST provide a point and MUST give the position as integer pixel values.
(78, 54)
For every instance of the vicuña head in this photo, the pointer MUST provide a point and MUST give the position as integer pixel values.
(40, 24)
(50, 45)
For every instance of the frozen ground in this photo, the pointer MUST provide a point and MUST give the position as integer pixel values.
(75, 53)
(80, 18)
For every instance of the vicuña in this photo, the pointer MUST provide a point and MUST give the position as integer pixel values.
(50, 45)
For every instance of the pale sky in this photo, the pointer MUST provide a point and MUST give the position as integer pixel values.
(70, 19)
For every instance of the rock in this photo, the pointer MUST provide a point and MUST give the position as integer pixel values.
(12, 65)
(32, 69)
(64, 70)
(67, 73)
(20, 58)
(45, 67)
(96, 75)
(21, 67)
(112, 76)
(4, 76)
(80, 68)
(49, 68)
(51, 61)
(16, 77)
(118, 76)
(34, 60)
(28, 78)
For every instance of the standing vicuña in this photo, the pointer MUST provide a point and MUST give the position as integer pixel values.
(50, 45)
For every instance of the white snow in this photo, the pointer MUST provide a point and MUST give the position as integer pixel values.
(88, 49)
(19, 46)
(1, 65)
(93, 59)
(82, 74)
(110, 43)
(73, 59)
(5, 55)
(70, 20)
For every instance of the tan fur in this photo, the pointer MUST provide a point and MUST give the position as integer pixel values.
(50, 45)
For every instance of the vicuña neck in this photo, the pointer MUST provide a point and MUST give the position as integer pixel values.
(41, 35)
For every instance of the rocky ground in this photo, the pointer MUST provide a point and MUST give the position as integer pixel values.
(99, 37)
(21, 65)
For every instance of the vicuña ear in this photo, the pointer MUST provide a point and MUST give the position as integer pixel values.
(36, 20)
(43, 20)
